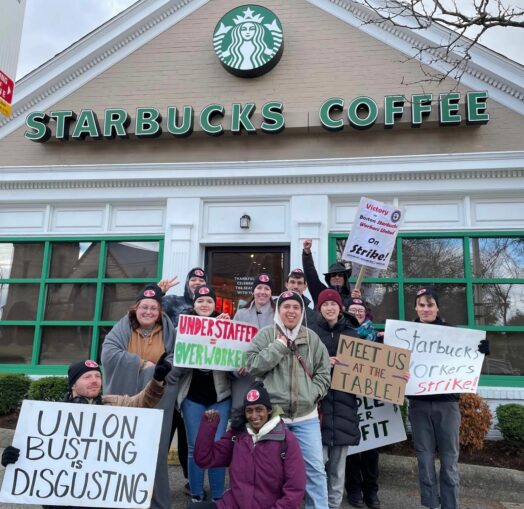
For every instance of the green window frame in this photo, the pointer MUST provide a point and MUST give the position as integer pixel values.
(34, 368)
(468, 280)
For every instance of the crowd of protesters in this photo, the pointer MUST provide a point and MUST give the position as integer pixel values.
(275, 423)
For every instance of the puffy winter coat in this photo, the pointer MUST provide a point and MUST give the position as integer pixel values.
(338, 409)
(259, 477)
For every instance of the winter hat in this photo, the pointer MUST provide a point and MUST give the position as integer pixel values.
(262, 279)
(357, 302)
(298, 272)
(329, 294)
(204, 291)
(77, 369)
(197, 272)
(257, 395)
(150, 292)
(429, 291)
(289, 296)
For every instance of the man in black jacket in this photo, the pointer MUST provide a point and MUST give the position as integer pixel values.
(435, 423)
(296, 282)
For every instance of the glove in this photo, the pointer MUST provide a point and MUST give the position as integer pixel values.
(484, 347)
(162, 368)
(10, 455)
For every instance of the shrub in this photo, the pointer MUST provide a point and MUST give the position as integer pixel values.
(48, 388)
(475, 422)
(511, 422)
(13, 388)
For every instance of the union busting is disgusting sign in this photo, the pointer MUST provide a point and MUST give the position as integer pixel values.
(83, 455)
(212, 343)
(444, 360)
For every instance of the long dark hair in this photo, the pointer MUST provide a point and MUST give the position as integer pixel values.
(133, 319)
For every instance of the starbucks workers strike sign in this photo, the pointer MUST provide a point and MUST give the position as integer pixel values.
(249, 41)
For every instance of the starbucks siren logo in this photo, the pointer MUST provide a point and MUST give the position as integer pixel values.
(248, 41)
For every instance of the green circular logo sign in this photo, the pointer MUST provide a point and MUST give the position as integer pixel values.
(249, 41)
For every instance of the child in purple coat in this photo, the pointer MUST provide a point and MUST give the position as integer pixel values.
(266, 468)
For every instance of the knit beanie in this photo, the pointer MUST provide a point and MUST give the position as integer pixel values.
(150, 292)
(77, 369)
(204, 291)
(429, 291)
(257, 395)
(297, 273)
(357, 302)
(289, 296)
(197, 272)
(329, 294)
(262, 279)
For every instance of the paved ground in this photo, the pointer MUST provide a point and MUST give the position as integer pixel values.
(481, 487)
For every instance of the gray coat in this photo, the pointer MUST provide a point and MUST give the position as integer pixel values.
(122, 375)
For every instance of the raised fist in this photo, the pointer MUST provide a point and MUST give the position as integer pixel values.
(307, 245)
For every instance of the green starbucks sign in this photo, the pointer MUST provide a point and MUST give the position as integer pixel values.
(248, 41)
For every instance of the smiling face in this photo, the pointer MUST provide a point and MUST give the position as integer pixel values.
(204, 306)
(262, 294)
(290, 313)
(88, 385)
(147, 313)
(426, 308)
(194, 282)
(330, 311)
(247, 31)
(358, 311)
(257, 416)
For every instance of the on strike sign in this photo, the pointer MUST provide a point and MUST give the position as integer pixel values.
(373, 234)
(83, 455)
(212, 343)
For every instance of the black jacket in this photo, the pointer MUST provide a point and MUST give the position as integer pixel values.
(338, 409)
(314, 284)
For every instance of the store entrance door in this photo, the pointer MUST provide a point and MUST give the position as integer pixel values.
(232, 271)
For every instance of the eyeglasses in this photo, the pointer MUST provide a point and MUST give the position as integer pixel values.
(149, 308)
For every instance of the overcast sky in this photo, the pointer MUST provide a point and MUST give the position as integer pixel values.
(52, 25)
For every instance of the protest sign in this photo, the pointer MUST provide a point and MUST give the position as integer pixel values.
(211, 343)
(83, 455)
(373, 234)
(370, 369)
(443, 359)
(380, 424)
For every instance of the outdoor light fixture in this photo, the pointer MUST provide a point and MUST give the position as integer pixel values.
(245, 220)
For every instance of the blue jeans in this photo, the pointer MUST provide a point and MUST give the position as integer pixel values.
(192, 413)
(310, 441)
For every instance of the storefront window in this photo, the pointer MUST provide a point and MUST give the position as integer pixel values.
(480, 280)
(57, 295)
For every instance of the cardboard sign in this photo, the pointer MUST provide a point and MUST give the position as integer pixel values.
(380, 424)
(371, 369)
(373, 234)
(83, 455)
(444, 360)
(211, 343)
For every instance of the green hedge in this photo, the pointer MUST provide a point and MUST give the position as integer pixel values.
(13, 389)
(511, 422)
(48, 388)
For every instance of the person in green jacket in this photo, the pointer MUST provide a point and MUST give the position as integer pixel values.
(294, 365)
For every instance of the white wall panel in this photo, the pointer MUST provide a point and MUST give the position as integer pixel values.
(432, 213)
(137, 219)
(500, 213)
(78, 219)
(16, 221)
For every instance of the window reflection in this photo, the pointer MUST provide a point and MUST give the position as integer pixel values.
(507, 354)
(16, 344)
(497, 257)
(383, 300)
(499, 304)
(70, 301)
(132, 259)
(18, 301)
(74, 259)
(62, 345)
(433, 258)
(118, 298)
(21, 260)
